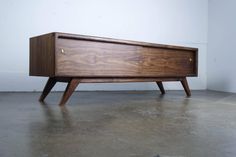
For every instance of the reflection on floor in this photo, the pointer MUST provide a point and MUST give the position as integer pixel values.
(119, 124)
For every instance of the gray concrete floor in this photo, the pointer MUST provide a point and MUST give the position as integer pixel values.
(119, 124)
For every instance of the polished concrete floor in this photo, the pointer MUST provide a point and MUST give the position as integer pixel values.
(119, 124)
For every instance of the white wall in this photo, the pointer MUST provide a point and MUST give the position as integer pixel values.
(221, 56)
(179, 22)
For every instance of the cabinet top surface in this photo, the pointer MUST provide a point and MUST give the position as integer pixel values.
(61, 35)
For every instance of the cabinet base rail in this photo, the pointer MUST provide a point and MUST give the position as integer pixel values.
(73, 82)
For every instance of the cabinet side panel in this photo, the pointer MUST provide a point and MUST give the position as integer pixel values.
(42, 55)
(196, 63)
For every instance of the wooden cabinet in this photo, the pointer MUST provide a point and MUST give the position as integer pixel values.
(76, 59)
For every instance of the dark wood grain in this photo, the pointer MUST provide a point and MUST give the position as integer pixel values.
(42, 55)
(98, 59)
(75, 59)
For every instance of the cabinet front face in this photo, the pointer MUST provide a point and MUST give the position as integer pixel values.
(83, 58)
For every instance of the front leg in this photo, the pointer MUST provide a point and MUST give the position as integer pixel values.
(184, 83)
(161, 87)
(48, 87)
(72, 84)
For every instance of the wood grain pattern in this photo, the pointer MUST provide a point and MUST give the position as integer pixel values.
(42, 55)
(98, 59)
(75, 59)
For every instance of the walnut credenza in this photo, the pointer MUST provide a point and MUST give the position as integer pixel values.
(78, 59)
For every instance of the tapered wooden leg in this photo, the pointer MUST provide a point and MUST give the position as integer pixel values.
(48, 87)
(161, 87)
(73, 83)
(186, 87)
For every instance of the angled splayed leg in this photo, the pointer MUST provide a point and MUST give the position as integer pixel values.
(48, 87)
(72, 84)
(184, 83)
(161, 87)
